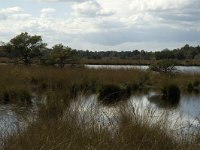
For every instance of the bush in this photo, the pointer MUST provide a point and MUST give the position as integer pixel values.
(163, 67)
(193, 87)
(113, 93)
(171, 93)
(190, 87)
(14, 96)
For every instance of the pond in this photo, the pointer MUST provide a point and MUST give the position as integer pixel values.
(14, 118)
(183, 69)
(182, 117)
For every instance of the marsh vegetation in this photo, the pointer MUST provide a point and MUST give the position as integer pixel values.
(48, 100)
(82, 108)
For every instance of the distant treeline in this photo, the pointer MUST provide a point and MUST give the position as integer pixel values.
(186, 52)
(31, 49)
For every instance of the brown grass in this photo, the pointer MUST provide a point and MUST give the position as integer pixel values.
(53, 131)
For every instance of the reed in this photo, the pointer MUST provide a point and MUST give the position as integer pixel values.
(59, 127)
(68, 131)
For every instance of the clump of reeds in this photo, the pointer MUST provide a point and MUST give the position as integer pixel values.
(111, 93)
(193, 87)
(16, 96)
(171, 92)
(132, 132)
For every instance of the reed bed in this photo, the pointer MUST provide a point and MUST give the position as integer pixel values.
(69, 131)
(57, 127)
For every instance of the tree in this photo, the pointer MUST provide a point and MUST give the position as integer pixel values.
(61, 55)
(26, 47)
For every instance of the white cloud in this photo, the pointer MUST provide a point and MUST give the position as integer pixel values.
(62, 0)
(146, 5)
(12, 10)
(90, 8)
(48, 10)
(108, 24)
(13, 13)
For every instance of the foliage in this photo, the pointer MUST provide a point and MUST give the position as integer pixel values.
(171, 93)
(16, 96)
(26, 47)
(60, 55)
(163, 67)
(109, 94)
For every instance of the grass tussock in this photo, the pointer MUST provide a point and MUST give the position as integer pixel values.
(171, 93)
(109, 94)
(17, 96)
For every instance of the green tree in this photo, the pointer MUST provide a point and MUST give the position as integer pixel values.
(26, 47)
(61, 55)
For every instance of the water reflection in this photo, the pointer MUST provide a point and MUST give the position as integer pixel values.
(184, 69)
(90, 110)
(14, 118)
(160, 102)
(181, 116)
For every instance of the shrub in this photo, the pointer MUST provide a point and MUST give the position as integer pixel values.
(190, 87)
(163, 67)
(112, 93)
(193, 87)
(6, 97)
(171, 93)
(19, 97)
(25, 97)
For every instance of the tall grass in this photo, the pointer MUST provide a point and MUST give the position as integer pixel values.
(41, 79)
(68, 131)
(58, 127)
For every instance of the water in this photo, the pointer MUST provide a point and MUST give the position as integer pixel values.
(183, 69)
(15, 118)
(182, 117)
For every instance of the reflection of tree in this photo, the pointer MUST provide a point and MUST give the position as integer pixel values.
(163, 103)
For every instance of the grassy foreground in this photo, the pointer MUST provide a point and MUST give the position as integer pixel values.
(68, 133)
(58, 128)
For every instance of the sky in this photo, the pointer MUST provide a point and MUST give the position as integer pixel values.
(101, 25)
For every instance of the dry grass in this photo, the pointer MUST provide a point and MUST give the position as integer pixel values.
(53, 131)
(69, 132)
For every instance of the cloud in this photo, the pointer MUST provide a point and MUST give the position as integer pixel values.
(152, 5)
(62, 0)
(13, 13)
(5, 12)
(90, 8)
(106, 23)
(48, 10)
(12, 10)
